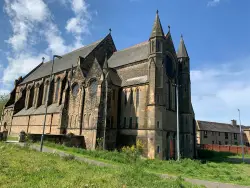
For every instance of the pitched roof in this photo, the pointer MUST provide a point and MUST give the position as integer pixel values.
(157, 28)
(129, 55)
(182, 51)
(60, 64)
(218, 127)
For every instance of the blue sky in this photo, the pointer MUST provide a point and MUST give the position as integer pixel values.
(216, 33)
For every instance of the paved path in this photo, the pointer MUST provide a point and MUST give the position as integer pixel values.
(208, 184)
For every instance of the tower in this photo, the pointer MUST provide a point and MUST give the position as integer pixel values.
(154, 111)
(186, 116)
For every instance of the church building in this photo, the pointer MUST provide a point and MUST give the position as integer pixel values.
(124, 95)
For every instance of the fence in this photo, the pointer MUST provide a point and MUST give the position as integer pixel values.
(225, 148)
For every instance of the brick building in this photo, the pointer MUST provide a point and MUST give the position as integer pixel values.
(221, 133)
(140, 102)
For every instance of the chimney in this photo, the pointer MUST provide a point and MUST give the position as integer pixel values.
(234, 122)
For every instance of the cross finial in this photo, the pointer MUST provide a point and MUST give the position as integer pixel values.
(181, 36)
(43, 59)
(157, 11)
(110, 30)
(169, 27)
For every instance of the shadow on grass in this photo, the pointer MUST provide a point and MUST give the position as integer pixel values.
(219, 157)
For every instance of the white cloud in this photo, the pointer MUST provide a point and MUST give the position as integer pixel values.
(213, 2)
(32, 21)
(78, 25)
(217, 92)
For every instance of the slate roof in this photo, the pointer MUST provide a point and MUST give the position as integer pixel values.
(218, 127)
(129, 55)
(53, 108)
(61, 64)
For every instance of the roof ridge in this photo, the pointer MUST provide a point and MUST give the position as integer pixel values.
(136, 45)
(220, 123)
(78, 49)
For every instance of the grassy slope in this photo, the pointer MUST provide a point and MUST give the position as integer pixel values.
(21, 167)
(217, 169)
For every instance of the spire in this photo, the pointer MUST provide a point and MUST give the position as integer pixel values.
(157, 28)
(182, 51)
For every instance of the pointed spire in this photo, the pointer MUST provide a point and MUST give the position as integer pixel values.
(182, 51)
(157, 28)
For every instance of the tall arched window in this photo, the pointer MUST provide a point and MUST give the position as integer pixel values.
(46, 88)
(131, 96)
(57, 89)
(137, 97)
(125, 97)
(75, 89)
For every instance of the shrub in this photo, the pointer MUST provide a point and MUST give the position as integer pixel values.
(68, 157)
(133, 152)
(99, 143)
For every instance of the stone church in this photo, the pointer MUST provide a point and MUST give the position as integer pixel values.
(129, 95)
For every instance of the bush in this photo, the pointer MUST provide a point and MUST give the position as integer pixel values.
(133, 152)
(99, 143)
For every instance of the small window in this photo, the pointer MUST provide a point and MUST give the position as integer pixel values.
(226, 143)
(235, 143)
(158, 149)
(212, 133)
(219, 142)
(124, 122)
(219, 133)
(153, 46)
(158, 124)
(235, 136)
(136, 123)
(158, 46)
(205, 134)
(226, 135)
(130, 122)
(212, 142)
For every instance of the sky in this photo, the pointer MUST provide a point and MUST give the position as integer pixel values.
(216, 34)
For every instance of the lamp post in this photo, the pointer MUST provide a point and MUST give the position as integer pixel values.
(241, 138)
(105, 111)
(177, 120)
(46, 102)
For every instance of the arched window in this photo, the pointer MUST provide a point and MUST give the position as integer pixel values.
(46, 88)
(158, 46)
(31, 96)
(125, 97)
(93, 88)
(75, 89)
(137, 97)
(131, 96)
(57, 89)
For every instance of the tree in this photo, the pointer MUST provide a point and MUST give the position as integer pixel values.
(3, 101)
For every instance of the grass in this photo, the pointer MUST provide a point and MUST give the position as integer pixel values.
(22, 167)
(12, 138)
(214, 166)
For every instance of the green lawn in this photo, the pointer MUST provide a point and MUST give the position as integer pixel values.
(215, 168)
(22, 167)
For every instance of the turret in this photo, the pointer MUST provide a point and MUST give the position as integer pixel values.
(184, 78)
(156, 37)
